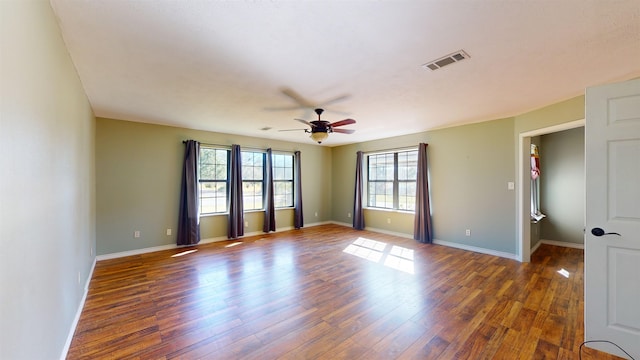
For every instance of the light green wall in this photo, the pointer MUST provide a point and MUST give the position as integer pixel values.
(554, 114)
(47, 192)
(548, 116)
(470, 167)
(139, 169)
(562, 185)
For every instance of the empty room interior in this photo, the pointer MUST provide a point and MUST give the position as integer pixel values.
(306, 180)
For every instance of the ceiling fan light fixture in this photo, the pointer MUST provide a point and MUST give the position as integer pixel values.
(319, 137)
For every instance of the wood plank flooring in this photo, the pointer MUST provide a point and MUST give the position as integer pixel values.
(330, 292)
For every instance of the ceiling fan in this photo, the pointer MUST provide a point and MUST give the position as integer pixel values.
(320, 129)
(306, 104)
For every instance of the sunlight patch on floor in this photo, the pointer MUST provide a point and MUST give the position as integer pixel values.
(363, 252)
(398, 258)
(564, 273)
(186, 252)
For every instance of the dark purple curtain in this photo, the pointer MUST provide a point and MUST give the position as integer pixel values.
(189, 219)
(235, 228)
(358, 214)
(422, 230)
(298, 218)
(269, 206)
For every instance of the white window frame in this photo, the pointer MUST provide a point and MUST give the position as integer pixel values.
(395, 182)
(202, 181)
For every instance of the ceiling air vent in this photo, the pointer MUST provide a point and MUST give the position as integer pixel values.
(446, 60)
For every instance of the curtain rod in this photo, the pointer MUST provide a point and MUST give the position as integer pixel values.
(241, 147)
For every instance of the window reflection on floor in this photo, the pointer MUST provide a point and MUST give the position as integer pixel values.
(564, 273)
(398, 257)
(186, 252)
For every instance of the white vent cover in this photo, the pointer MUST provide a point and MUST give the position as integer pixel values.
(446, 60)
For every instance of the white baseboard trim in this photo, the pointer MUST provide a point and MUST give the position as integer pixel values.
(372, 229)
(535, 247)
(439, 242)
(476, 249)
(202, 242)
(382, 231)
(392, 233)
(560, 243)
(76, 319)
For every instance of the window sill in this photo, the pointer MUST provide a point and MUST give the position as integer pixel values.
(537, 218)
(389, 210)
(246, 212)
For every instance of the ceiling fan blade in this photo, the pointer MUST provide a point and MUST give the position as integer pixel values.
(283, 108)
(343, 122)
(305, 122)
(344, 131)
(334, 100)
(298, 98)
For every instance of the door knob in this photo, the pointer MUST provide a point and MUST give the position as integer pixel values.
(599, 232)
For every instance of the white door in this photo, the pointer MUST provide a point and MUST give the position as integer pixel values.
(612, 259)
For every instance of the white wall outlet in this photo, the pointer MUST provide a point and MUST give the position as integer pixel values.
(91, 251)
(136, 234)
(246, 224)
(467, 232)
(511, 185)
(168, 232)
(348, 215)
(316, 214)
(388, 220)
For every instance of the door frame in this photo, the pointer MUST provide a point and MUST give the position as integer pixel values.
(523, 198)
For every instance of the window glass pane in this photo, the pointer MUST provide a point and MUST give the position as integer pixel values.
(278, 160)
(406, 195)
(207, 172)
(278, 174)
(283, 180)
(371, 200)
(212, 180)
(381, 194)
(252, 195)
(252, 163)
(247, 172)
(213, 197)
(391, 180)
(221, 172)
(381, 167)
(257, 172)
(213, 164)
(407, 165)
(283, 194)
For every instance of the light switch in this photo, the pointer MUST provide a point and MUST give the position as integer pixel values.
(511, 185)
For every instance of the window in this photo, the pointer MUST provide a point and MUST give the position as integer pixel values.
(282, 180)
(391, 180)
(536, 214)
(213, 174)
(213, 180)
(253, 180)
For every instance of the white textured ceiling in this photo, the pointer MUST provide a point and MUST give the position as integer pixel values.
(232, 66)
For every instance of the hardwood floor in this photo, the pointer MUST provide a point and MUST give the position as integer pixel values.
(330, 292)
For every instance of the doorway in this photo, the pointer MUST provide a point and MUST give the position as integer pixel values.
(524, 190)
